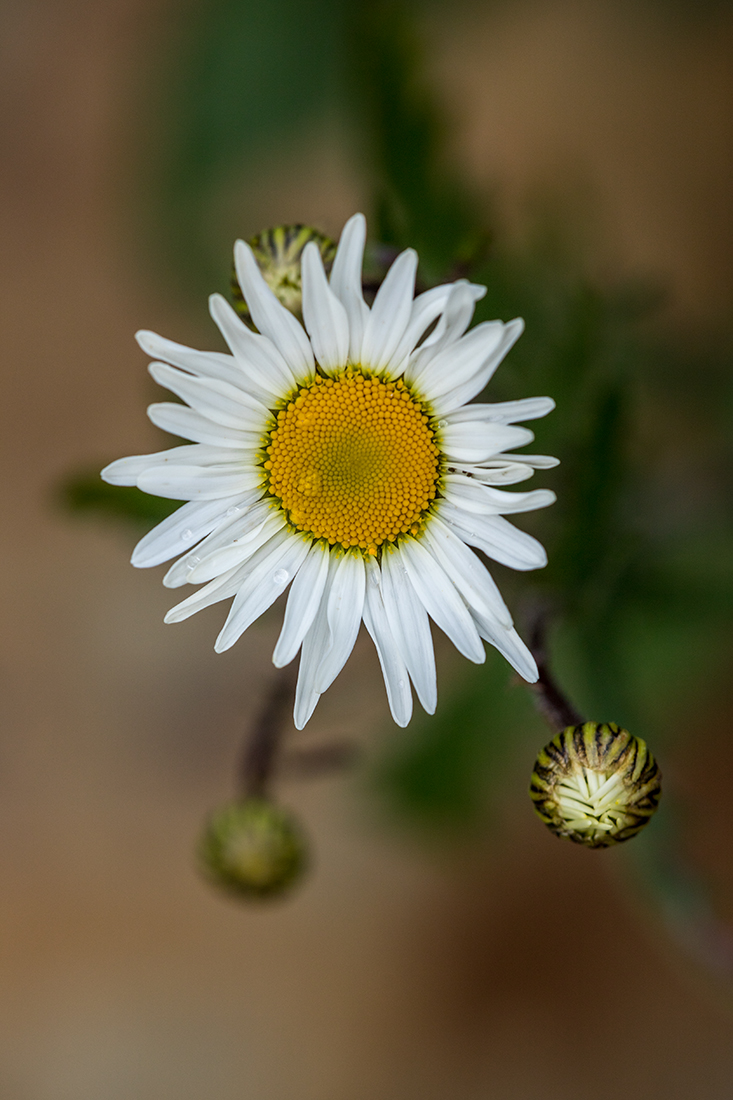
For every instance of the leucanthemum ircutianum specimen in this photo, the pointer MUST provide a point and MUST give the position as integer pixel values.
(344, 460)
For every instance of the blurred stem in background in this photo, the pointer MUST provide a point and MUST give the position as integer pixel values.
(639, 582)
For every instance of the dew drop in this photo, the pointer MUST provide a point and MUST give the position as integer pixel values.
(186, 535)
(280, 576)
(233, 510)
(400, 683)
(442, 423)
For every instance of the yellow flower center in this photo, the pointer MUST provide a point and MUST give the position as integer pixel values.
(353, 460)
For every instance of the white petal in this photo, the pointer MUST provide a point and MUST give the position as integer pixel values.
(204, 364)
(261, 363)
(472, 496)
(239, 550)
(495, 472)
(271, 317)
(440, 599)
(408, 621)
(314, 646)
(390, 313)
(496, 537)
(477, 440)
(346, 282)
(539, 462)
(425, 309)
(219, 401)
(323, 314)
(343, 612)
(456, 318)
(181, 531)
(220, 589)
(467, 571)
(504, 412)
(237, 523)
(510, 645)
(437, 336)
(465, 383)
(268, 576)
(303, 601)
(127, 471)
(182, 421)
(394, 669)
(198, 482)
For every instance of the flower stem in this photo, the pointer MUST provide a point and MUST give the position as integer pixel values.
(550, 700)
(263, 741)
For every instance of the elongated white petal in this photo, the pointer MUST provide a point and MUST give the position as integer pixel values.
(303, 602)
(182, 421)
(494, 472)
(181, 531)
(394, 669)
(220, 589)
(204, 364)
(510, 645)
(239, 549)
(472, 496)
(346, 282)
(219, 401)
(426, 308)
(237, 524)
(439, 369)
(537, 462)
(198, 482)
(504, 412)
(441, 600)
(447, 319)
(315, 644)
(260, 361)
(455, 320)
(278, 562)
(477, 440)
(498, 538)
(127, 471)
(323, 314)
(390, 313)
(408, 621)
(467, 572)
(343, 613)
(271, 317)
(467, 382)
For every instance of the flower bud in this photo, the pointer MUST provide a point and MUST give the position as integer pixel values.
(595, 784)
(278, 252)
(253, 848)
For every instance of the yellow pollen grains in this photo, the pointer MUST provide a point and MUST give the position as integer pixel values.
(353, 460)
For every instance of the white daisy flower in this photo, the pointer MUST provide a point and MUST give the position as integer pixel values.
(343, 460)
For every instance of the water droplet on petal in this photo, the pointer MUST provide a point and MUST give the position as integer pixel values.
(233, 510)
(442, 423)
(186, 535)
(280, 576)
(400, 683)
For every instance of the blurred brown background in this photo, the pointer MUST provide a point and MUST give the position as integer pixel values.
(503, 971)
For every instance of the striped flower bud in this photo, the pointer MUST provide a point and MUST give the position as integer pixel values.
(595, 784)
(278, 252)
(253, 848)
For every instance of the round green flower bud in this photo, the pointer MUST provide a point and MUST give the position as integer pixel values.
(253, 848)
(278, 252)
(595, 784)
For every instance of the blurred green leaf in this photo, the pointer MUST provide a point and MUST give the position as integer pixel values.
(419, 200)
(85, 491)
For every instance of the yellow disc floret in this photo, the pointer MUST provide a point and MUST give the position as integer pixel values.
(353, 460)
